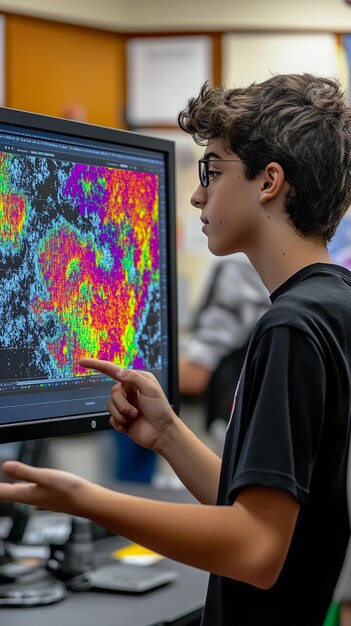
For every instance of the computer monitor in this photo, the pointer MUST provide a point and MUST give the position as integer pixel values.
(87, 268)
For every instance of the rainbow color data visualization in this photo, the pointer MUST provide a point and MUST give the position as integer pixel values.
(79, 267)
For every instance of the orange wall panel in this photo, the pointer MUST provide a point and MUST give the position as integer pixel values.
(51, 67)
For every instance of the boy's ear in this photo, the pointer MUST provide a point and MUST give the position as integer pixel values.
(272, 181)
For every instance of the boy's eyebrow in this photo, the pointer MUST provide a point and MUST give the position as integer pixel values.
(211, 155)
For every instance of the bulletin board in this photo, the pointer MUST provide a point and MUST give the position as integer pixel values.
(174, 68)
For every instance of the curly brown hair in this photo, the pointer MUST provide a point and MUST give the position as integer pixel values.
(300, 121)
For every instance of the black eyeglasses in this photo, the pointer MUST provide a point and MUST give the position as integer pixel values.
(203, 169)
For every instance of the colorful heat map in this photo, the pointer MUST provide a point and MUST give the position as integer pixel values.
(79, 266)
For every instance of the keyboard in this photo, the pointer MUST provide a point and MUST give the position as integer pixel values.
(130, 578)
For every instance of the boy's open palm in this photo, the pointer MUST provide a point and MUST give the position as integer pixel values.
(44, 488)
(138, 405)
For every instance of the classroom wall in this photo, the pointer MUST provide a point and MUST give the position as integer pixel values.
(52, 67)
(199, 15)
(249, 57)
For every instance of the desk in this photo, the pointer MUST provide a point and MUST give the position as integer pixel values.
(174, 603)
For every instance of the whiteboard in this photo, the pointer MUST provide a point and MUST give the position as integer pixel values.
(162, 74)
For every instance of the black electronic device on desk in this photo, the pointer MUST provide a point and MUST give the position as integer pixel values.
(178, 603)
(75, 565)
(87, 260)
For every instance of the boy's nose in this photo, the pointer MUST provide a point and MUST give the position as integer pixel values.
(198, 198)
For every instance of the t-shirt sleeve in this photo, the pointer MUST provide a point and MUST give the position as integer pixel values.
(284, 394)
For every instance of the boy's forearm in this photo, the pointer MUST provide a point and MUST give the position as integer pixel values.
(227, 540)
(197, 466)
(178, 531)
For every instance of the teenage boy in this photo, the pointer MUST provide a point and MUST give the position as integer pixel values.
(272, 526)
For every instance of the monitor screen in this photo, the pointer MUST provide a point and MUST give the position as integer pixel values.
(87, 268)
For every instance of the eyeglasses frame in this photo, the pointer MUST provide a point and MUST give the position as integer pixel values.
(203, 165)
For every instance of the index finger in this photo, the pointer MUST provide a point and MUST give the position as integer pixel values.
(130, 378)
(105, 367)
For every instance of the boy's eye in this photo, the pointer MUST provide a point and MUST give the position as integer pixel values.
(212, 174)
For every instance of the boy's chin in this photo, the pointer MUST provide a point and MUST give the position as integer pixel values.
(218, 250)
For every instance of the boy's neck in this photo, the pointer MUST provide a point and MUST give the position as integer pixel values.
(278, 262)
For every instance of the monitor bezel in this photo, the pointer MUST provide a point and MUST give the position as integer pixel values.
(92, 422)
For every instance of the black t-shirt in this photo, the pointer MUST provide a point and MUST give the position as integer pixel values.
(289, 430)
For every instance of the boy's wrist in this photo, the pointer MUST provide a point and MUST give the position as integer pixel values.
(168, 436)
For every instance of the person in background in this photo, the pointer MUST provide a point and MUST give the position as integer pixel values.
(233, 299)
(272, 524)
